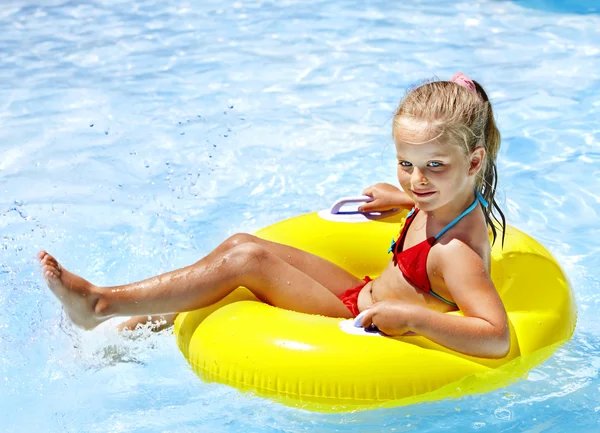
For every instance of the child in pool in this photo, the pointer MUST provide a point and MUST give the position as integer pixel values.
(446, 143)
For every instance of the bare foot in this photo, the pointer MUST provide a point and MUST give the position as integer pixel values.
(78, 296)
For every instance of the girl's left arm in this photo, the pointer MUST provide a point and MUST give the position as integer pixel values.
(483, 330)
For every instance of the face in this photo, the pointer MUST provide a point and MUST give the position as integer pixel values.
(432, 172)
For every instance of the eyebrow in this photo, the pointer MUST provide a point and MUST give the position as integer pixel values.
(434, 156)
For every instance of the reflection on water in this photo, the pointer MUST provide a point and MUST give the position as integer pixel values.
(135, 136)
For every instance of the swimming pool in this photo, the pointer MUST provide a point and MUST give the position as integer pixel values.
(137, 135)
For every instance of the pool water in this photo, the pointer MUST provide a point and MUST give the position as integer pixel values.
(136, 135)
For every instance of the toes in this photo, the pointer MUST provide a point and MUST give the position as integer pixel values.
(50, 271)
(49, 260)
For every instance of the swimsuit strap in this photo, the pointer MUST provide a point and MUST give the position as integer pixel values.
(442, 299)
(478, 198)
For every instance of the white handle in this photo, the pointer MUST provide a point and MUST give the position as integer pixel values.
(369, 329)
(340, 202)
(358, 319)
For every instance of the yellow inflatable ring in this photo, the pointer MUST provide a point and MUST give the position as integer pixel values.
(309, 361)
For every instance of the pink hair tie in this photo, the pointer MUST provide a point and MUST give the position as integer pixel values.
(462, 80)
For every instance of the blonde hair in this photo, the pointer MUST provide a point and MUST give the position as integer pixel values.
(463, 117)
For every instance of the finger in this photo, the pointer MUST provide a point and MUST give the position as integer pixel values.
(372, 328)
(368, 207)
(367, 318)
(369, 191)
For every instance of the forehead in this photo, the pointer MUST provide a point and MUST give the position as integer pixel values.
(413, 131)
(416, 137)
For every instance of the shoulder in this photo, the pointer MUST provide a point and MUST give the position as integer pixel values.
(464, 272)
(468, 243)
(456, 252)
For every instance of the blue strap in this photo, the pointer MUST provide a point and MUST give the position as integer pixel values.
(478, 198)
(392, 246)
(442, 299)
(481, 199)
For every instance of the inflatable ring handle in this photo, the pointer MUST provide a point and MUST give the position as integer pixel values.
(340, 202)
(358, 323)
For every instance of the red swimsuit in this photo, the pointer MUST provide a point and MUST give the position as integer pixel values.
(350, 297)
(413, 261)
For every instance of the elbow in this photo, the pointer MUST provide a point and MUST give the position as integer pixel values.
(500, 343)
(500, 349)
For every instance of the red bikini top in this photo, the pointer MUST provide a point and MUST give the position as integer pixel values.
(413, 261)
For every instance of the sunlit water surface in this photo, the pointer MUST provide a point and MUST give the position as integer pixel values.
(136, 135)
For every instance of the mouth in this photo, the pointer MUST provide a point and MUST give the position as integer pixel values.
(423, 194)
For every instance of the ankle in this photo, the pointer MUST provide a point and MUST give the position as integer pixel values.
(103, 307)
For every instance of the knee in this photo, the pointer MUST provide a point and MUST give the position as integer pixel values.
(237, 240)
(247, 257)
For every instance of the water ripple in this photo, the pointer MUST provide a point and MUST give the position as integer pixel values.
(137, 135)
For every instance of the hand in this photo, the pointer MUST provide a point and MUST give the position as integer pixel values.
(391, 317)
(385, 197)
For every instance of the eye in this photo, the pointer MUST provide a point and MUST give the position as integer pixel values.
(434, 164)
(404, 164)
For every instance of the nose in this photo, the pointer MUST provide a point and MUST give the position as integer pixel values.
(417, 177)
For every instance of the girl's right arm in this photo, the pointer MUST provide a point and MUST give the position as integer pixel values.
(385, 197)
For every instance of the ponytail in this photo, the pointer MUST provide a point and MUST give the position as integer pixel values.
(489, 177)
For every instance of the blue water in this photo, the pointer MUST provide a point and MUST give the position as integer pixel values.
(136, 135)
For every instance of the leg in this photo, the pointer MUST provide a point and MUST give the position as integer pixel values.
(329, 275)
(269, 277)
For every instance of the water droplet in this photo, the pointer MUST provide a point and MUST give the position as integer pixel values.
(503, 414)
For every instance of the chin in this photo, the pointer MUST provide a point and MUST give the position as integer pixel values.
(426, 204)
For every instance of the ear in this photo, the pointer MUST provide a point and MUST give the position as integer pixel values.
(476, 160)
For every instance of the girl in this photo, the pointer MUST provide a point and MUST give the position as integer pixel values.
(446, 143)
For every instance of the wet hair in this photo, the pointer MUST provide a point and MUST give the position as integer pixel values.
(464, 117)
